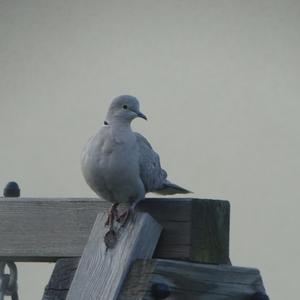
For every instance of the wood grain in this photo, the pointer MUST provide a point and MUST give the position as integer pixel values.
(46, 229)
(209, 229)
(41, 229)
(191, 281)
(194, 229)
(181, 234)
(101, 271)
(61, 279)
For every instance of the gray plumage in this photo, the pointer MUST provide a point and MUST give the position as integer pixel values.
(119, 164)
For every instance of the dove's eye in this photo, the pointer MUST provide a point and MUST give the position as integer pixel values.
(125, 106)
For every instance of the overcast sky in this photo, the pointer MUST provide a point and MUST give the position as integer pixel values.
(218, 80)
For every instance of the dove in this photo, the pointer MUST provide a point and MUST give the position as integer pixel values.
(120, 165)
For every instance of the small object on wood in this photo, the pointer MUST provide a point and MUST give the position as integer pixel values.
(111, 239)
(160, 291)
(11, 190)
(191, 281)
(259, 296)
(101, 271)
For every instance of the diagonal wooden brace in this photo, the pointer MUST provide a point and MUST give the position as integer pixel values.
(101, 271)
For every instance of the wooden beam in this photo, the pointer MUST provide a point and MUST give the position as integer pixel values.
(61, 279)
(178, 240)
(45, 229)
(41, 229)
(187, 280)
(101, 271)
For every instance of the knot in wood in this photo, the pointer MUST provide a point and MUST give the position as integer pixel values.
(160, 291)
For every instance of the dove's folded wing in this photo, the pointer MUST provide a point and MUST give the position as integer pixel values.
(151, 173)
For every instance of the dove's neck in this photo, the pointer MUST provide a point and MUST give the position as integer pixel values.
(119, 124)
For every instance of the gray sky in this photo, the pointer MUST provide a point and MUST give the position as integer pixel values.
(218, 80)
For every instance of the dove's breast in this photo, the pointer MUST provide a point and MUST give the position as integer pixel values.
(110, 165)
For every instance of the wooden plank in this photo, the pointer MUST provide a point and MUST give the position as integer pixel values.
(61, 279)
(44, 229)
(101, 271)
(191, 281)
(31, 228)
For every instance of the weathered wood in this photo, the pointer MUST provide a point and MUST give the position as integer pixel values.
(191, 281)
(60, 281)
(31, 228)
(178, 217)
(41, 229)
(209, 232)
(197, 232)
(101, 271)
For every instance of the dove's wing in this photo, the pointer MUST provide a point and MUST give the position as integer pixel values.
(151, 173)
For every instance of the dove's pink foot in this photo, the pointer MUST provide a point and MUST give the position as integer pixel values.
(127, 214)
(112, 215)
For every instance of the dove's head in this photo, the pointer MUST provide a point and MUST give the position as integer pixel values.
(124, 109)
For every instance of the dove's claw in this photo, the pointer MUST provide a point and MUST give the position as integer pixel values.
(127, 215)
(112, 215)
(124, 217)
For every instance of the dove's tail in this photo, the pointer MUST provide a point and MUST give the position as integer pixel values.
(170, 188)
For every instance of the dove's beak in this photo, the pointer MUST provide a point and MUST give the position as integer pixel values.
(141, 115)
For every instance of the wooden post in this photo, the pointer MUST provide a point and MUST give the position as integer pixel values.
(210, 231)
(196, 232)
(193, 229)
(101, 271)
